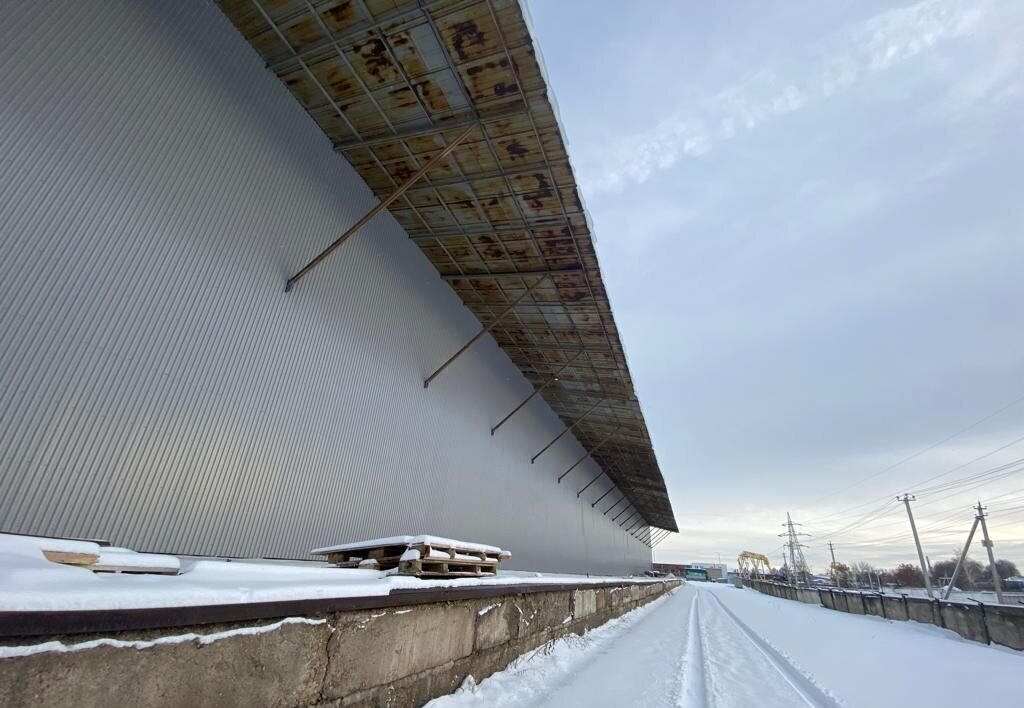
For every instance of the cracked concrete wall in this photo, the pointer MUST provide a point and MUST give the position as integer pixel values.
(402, 656)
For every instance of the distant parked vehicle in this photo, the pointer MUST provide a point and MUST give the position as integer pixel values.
(696, 574)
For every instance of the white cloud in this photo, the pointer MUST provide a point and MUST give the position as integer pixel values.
(837, 62)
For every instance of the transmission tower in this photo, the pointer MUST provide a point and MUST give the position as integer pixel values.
(798, 571)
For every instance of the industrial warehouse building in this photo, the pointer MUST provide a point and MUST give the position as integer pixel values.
(169, 166)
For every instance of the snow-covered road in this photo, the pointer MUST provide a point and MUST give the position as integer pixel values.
(718, 646)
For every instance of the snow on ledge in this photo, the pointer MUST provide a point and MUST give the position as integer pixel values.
(62, 648)
(30, 583)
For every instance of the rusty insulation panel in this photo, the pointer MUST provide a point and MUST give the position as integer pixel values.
(391, 82)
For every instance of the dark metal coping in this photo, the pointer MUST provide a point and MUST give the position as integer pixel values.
(51, 623)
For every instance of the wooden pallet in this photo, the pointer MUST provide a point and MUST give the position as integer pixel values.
(386, 556)
(437, 558)
(449, 561)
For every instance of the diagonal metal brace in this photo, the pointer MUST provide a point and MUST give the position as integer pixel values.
(614, 505)
(387, 201)
(587, 485)
(537, 390)
(598, 500)
(484, 331)
(624, 510)
(629, 519)
(589, 452)
(559, 436)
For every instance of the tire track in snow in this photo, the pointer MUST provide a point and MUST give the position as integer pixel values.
(693, 688)
(809, 692)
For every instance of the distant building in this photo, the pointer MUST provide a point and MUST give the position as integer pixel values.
(716, 571)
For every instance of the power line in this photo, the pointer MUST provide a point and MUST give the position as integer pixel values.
(927, 449)
(941, 474)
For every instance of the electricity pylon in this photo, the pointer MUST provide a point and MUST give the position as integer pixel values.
(797, 561)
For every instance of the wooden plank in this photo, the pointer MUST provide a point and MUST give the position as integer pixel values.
(68, 558)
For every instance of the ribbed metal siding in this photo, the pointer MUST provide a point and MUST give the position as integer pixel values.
(158, 387)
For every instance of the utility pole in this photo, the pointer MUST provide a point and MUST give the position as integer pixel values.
(987, 543)
(961, 559)
(832, 550)
(906, 499)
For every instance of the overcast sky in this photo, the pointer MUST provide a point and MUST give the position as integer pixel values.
(810, 217)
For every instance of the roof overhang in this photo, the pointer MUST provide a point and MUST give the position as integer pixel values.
(392, 83)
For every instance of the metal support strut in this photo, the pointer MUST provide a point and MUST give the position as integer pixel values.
(559, 436)
(623, 511)
(614, 505)
(484, 331)
(587, 485)
(537, 390)
(662, 538)
(384, 204)
(590, 452)
(598, 500)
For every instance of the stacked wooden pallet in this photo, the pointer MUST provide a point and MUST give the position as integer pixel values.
(421, 556)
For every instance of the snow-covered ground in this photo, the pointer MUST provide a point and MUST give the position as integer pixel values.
(723, 647)
(29, 582)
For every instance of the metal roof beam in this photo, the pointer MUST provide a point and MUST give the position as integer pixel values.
(495, 174)
(481, 230)
(560, 348)
(521, 274)
(372, 24)
(435, 128)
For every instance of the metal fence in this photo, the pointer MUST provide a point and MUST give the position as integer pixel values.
(977, 621)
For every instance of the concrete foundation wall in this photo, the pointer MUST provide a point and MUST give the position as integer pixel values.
(991, 624)
(397, 657)
(158, 388)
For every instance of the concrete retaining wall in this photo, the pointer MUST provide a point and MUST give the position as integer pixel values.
(991, 624)
(401, 656)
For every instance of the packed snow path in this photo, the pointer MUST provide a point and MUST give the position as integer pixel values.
(721, 647)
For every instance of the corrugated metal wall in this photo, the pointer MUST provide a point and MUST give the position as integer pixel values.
(158, 387)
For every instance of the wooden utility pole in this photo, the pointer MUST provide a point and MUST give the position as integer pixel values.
(832, 550)
(906, 499)
(961, 559)
(987, 543)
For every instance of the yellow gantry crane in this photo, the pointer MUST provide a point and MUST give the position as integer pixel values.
(758, 565)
